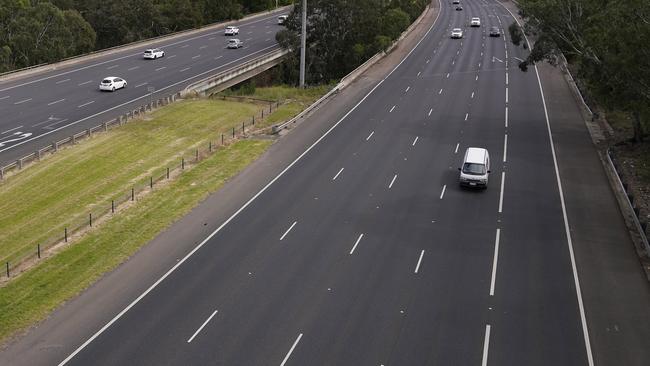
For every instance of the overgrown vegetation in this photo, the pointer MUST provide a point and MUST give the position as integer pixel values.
(38, 31)
(342, 34)
(607, 43)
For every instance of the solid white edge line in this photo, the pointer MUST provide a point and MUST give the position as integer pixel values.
(337, 174)
(286, 358)
(392, 181)
(486, 345)
(288, 230)
(244, 206)
(131, 101)
(503, 180)
(583, 318)
(505, 147)
(417, 266)
(202, 326)
(494, 262)
(356, 243)
(444, 188)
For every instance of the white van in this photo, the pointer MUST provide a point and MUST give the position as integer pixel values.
(476, 168)
(282, 19)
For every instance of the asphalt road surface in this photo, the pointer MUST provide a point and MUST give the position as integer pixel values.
(365, 251)
(49, 106)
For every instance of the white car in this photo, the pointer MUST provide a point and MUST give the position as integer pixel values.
(475, 22)
(231, 30)
(456, 33)
(112, 83)
(235, 43)
(456, 2)
(153, 53)
(282, 19)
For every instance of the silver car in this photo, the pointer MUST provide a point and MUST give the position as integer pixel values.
(235, 43)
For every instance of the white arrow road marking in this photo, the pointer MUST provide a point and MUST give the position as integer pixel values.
(496, 58)
(22, 137)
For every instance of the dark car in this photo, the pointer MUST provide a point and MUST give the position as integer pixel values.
(495, 32)
(459, 8)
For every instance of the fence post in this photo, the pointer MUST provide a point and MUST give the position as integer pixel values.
(90, 219)
(222, 139)
(105, 126)
(197, 154)
(73, 139)
(151, 182)
(20, 163)
(210, 147)
(65, 234)
(7, 269)
(2, 173)
(183, 163)
(233, 132)
(112, 206)
(38, 153)
(167, 172)
(132, 194)
(262, 115)
(55, 146)
(38, 250)
(242, 127)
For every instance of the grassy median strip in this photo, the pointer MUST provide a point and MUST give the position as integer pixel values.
(30, 297)
(37, 204)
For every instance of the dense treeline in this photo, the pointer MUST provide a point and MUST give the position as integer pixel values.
(342, 34)
(606, 41)
(35, 32)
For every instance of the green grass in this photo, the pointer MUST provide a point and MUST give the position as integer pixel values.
(32, 296)
(36, 204)
(293, 100)
(39, 202)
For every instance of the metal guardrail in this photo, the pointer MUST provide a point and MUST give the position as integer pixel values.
(637, 222)
(201, 86)
(73, 139)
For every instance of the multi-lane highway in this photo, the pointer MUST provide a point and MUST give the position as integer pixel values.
(364, 250)
(48, 106)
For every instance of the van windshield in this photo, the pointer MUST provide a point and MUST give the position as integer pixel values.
(474, 169)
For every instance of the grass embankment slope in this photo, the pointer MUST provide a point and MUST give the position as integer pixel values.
(37, 203)
(293, 100)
